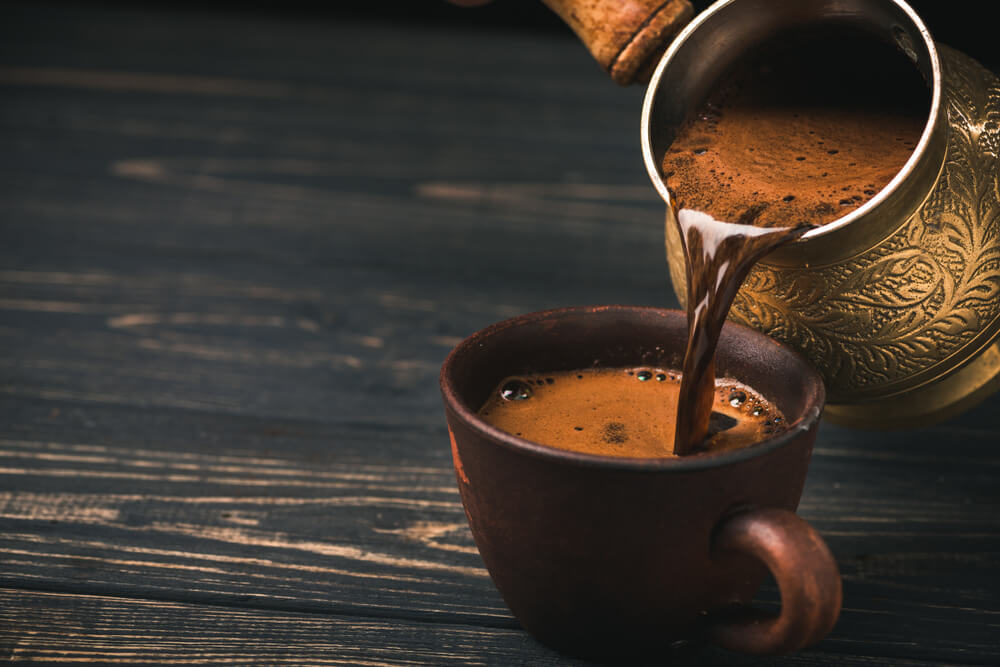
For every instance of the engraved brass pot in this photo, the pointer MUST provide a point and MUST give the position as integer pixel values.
(897, 303)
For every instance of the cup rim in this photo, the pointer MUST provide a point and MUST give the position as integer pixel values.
(813, 385)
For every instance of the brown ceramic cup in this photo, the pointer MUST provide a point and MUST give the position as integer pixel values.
(602, 556)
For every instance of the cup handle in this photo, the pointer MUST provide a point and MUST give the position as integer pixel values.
(807, 577)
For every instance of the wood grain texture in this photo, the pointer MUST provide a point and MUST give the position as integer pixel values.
(88, 628)
(232, 259)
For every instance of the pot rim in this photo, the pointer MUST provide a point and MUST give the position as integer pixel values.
(923, 150)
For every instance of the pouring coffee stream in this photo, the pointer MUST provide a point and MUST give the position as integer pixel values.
(719, 255)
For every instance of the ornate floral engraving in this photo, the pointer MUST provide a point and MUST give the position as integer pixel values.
(922, 294)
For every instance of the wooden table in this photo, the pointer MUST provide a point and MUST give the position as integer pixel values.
(234, 253)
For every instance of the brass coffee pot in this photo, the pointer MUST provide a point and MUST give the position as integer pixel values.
(898, 302)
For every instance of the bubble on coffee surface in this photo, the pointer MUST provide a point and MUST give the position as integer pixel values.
(749, 404)
(515, 390)
(644, 375)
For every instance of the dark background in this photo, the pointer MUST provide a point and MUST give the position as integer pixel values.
(968, 25)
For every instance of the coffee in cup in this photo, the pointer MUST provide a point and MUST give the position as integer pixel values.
(628, 412)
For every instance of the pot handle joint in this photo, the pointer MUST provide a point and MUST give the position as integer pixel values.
(626, 37)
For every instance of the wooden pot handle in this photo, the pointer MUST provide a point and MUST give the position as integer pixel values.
(625, 36)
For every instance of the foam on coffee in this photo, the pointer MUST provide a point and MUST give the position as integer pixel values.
(627, 412)
(805, 129)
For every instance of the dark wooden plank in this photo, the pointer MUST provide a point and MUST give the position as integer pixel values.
(62, 627)
(364, 519)
(305, 232)
(346, 242)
